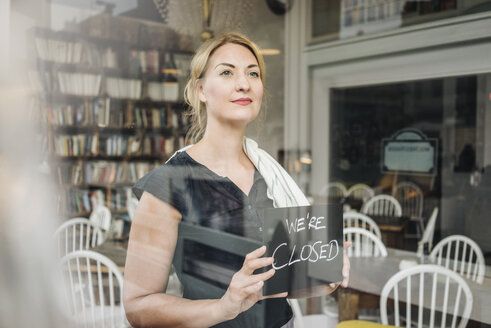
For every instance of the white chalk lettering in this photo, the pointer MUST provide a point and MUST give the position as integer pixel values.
(299, 223)
(274, 263)
(309, 253)
(318, 221)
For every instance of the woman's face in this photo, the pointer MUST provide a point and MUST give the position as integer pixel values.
(232, 88)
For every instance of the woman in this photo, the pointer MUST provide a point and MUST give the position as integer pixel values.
(218, 182)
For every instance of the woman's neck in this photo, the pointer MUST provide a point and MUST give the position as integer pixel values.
(221, 146)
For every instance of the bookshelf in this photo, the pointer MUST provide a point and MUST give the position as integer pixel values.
(109, 112)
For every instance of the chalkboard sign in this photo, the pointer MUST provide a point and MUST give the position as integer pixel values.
(306, 242)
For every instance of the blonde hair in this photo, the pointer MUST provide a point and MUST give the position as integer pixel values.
(199, 64)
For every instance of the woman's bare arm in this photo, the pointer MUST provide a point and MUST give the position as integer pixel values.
(151, 248)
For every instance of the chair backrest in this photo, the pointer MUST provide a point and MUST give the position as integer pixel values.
(77, 234)
(297, 312)
(131, 206)
(361, 191)
(333, 189)
(382, 205)
(93, 290)
(462, 255)
(433, 287)
(410, 197)
(364, 243)
(359, 220)
(101, 215)
(429, 232)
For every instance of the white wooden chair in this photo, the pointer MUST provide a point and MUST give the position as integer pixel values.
(308, 320)
(410, 196)
(361, 191)
(462, 255)
(382, 205)
(77, 234)
(428, 233)
(364, 243)
(334, 189)
(93, 290)
(444, 294)
(101, 216)
(359, 220)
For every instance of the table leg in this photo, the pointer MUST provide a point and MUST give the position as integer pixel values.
(348, 301)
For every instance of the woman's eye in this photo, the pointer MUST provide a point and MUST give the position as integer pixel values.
(254, 74)
(226, 73)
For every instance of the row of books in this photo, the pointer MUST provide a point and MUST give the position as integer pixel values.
(124, 88)
(155, 117)
(157, 145)
(163, 91)
(102, 172)
(99, 112)
(86, 84)
(143, 61)
(88, 113)
(83, 201)
(121, 145)
(60, 51)
(76, 145)
(117, 145)
(118, 198)
(81, 84)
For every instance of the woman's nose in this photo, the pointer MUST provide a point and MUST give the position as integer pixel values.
(242, 83)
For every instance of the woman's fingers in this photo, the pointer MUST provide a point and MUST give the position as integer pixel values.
(346, 270)
(285, 294)
(252, 264)
(256, 253)
(346, 265)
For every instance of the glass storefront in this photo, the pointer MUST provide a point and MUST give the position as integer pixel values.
(451, 172)
(363, 100)
(353, 18)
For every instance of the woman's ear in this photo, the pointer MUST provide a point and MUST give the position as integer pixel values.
(199, 90)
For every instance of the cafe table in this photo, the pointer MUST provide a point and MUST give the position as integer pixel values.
(114, 250)
(369, 275)
(392, 228)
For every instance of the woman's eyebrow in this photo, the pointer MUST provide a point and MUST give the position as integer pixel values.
(233, 66)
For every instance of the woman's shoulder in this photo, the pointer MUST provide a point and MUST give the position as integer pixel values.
(174, 167)
(165, 179)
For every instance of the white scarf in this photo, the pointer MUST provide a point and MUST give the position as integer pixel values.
(282, 189)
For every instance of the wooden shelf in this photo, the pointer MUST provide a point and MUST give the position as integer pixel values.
(54, 66)
(72, 129)
(59, 97)
(100, 42)
(93, 108)
(98, 185)
(115, 157)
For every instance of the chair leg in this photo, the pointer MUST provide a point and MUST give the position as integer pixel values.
(419, 229)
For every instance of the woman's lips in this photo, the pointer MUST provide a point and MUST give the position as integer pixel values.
(242, 101)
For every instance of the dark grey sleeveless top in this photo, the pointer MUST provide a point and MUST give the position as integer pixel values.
(205, 198)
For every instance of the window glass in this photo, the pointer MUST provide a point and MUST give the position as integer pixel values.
(342, 19)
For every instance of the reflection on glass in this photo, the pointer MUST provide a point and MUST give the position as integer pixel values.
(449, 116)
(350, 18)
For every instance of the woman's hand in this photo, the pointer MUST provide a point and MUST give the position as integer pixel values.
(245, 289)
